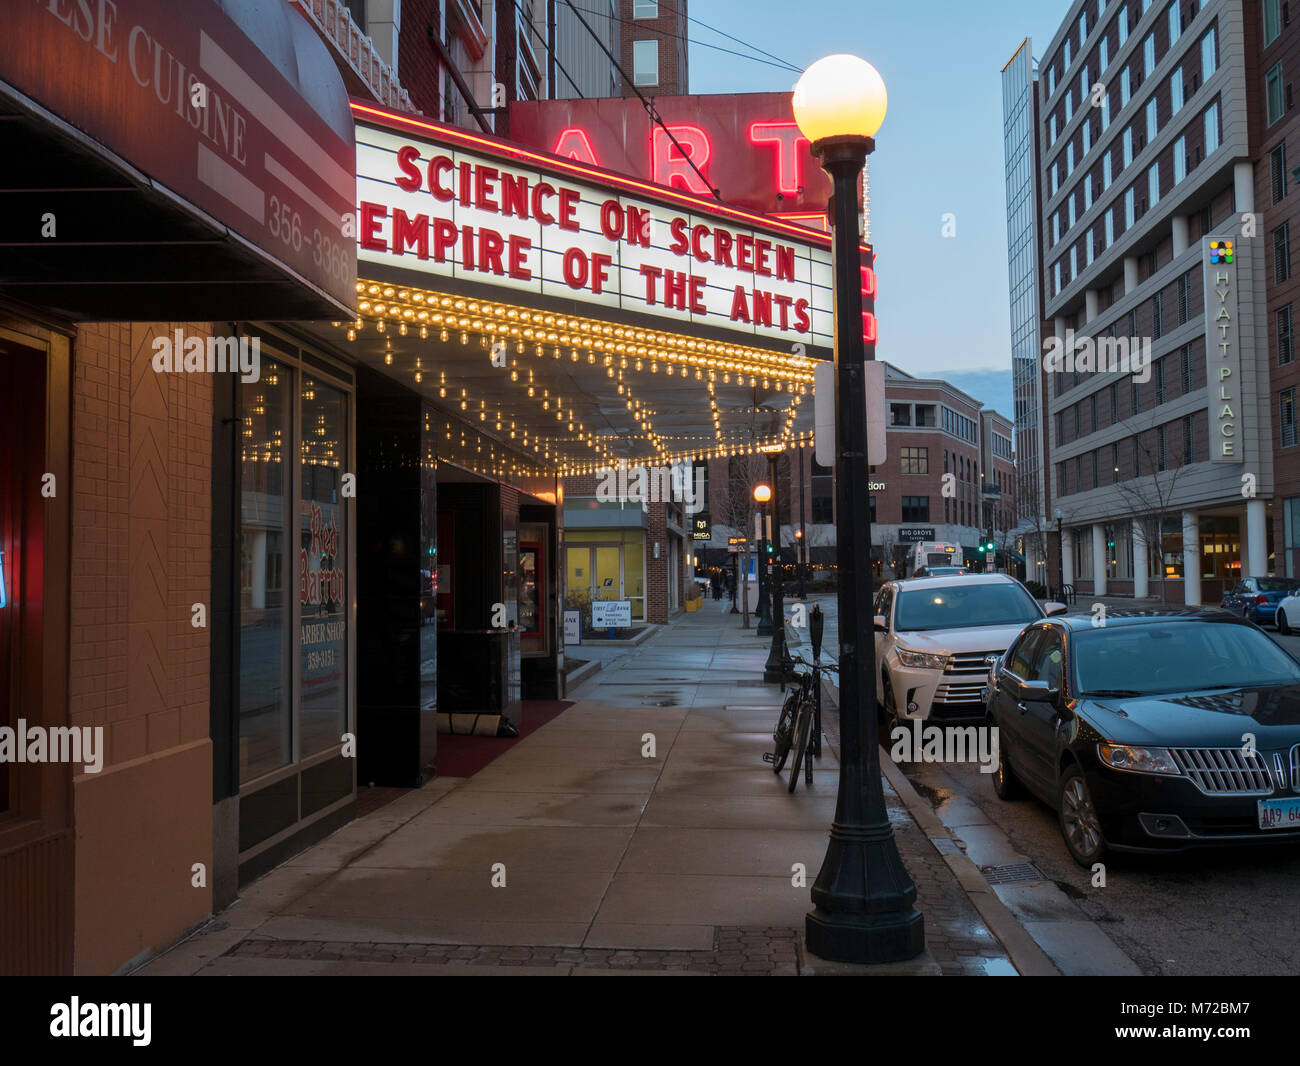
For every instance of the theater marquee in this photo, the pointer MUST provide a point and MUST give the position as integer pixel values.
(453, 205)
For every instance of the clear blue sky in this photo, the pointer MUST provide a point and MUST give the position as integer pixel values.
(942, 302)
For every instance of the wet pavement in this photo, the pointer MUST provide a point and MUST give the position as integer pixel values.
(639, 831)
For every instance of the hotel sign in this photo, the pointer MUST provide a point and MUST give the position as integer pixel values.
(1222, 348)
(440, 202)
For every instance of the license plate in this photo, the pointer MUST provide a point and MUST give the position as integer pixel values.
(1279, 814)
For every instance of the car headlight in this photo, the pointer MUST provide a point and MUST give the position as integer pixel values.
(928, 660)
(1138, 760)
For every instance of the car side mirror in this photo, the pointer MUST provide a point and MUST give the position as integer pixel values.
(1054, 607)
(1035, 692)
(816, 625)
(881, 625)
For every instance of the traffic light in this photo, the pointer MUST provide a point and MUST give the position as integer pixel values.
(987, 545)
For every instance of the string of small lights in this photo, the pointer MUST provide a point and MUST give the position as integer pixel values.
(503, 329)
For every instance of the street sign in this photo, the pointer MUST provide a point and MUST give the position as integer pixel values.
(824, 412)
(611, 614)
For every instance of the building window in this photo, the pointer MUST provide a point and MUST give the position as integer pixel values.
(1130, 207)
(1187, 439)
(645, 9)
(645, 62)
(1277, 168)
(916, 508)
(1149, 55)
(1124, 89)
(1286, 416)
(1153, 117)
(1282, 252)
(1209, 61)
(1184, 297)
(914, 460)
(1162, 443)
(925, 415)
(1187, 369)
(1160, 381)
(1127, 141)
(1110, 227)
(1069, 162)
(1114, 403)
(1103, 54)
(1106, 176)
(1274, 106)
(1212, 128)
(1123, 24)
(1272, 21)
(1175, 23)
(1180, 159)
(1176, 91)
(1114, 464)
(900, 414)
(1137, 399)
(1284, 348)
(1153, 184)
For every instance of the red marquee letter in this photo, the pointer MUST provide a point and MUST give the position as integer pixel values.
(787, 139)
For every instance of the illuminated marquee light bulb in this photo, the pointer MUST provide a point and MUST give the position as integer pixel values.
(380, 326)
(464, 337)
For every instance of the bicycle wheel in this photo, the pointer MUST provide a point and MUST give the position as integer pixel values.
(783, 735)
(802, 727)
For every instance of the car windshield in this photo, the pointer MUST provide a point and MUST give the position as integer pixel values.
(1165, 657)
(1277, 584)
(964, 606)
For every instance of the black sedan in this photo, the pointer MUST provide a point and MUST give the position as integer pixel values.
(1160, 730)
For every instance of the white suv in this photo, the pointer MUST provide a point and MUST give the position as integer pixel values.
(937, 636)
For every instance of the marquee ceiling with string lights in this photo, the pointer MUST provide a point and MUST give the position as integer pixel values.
(575, 394)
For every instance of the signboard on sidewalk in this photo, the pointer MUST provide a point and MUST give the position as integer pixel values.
(572, 627)
(611, 614)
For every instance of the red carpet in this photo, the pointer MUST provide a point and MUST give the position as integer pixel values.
(465, 756)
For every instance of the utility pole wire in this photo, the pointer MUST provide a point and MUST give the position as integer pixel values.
(647, 104)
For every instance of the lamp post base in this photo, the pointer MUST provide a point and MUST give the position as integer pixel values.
(865, 938)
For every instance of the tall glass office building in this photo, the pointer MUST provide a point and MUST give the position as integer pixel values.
(1019, 133)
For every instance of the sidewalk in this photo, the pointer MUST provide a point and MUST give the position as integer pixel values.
(612, 861)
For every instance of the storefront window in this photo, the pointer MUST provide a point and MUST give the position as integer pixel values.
(322, 575)
(265, 735)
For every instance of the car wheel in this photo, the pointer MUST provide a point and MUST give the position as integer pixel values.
(1006, 785)
(1283, 629)
(1079, 823)
(888, 709)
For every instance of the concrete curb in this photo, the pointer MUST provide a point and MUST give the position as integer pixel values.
(586, 670)
(1026, 956)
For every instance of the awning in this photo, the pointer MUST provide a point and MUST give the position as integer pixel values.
(174, 161)
(584, 316)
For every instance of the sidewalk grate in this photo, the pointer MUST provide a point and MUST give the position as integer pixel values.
(1012, 873)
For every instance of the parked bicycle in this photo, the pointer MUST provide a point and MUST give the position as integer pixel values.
(799, 727)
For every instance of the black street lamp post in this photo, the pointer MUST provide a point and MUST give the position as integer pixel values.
(774, 669)
(863, 896)
(803, 537)
(763, 613)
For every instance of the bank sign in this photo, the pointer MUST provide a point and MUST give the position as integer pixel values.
(1222, 348)
(440, 202)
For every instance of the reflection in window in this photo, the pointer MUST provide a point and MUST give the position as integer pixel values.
(265, 737)
(322, 567)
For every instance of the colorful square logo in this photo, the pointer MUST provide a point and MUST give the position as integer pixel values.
(1220, 251)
